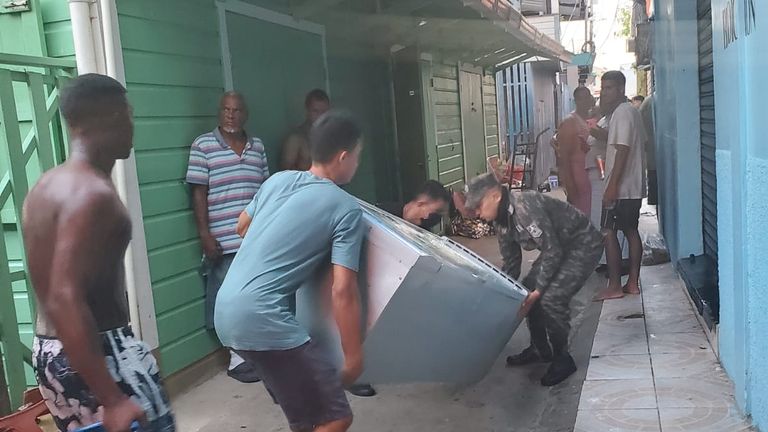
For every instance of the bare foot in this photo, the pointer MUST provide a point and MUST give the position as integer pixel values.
(608, 294)
(631, 288)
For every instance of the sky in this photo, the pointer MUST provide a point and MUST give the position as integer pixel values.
(610, 49)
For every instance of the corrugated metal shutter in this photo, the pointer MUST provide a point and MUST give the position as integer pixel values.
(707, 115)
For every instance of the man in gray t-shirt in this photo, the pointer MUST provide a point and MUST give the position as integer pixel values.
(625, 185)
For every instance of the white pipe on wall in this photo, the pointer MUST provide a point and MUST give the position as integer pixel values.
(82, 34)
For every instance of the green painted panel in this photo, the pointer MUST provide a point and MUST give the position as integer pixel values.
(193, 15)
(181, 321)
(22, 33)
(162, 165)
(166, 230)
(451, 177)
(23, 315)
(449, 150)
(164, 198)
(445, 84)
(178, 40)
(447, 110)
(445, 71)
(450, 163)
(165, 101)
(184, 352)
(177, 291)
(165, 133)
(171, 261)
(448, 123)
(445, 97)
(54, 10)
(449, 137)
(154, 68)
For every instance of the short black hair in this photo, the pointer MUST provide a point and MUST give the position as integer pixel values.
(318, 95)
(638, 98)
(333, 132)
(90, 97)
(615, 76)
(434, 190)
(581, 89)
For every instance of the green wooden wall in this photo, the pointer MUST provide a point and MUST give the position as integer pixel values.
(491, 114)
(450, 150)
(173, 74)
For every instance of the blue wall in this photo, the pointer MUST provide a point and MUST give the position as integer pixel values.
(742, 168)
(741, 92)
(677, 126)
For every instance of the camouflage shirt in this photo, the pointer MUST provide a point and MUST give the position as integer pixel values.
(531, 220)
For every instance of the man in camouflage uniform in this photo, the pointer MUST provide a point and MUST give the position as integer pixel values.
(570, 249)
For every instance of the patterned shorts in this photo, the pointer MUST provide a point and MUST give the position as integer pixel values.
(132, 366)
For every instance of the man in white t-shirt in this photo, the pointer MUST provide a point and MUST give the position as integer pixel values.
(625, 185)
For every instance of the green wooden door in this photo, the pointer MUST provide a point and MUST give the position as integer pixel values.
(274, 66)
(471, 88)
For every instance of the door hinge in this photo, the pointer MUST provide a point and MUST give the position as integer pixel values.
(14, 6)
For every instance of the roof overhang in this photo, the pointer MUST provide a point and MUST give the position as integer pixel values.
(481, 32)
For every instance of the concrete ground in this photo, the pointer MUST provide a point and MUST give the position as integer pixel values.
(506, 400)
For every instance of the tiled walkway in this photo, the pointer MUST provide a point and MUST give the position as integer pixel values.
(652, 367)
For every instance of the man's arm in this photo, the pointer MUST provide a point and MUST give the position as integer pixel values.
(347, 312)
(617, 173)
(198, 177)
(345, 258)
(511, 255)
(211, 247)
(245, 218)
(82, 236)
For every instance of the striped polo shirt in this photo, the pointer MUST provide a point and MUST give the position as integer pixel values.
(232, 181)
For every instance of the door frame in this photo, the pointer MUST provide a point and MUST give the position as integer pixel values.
(252, 11)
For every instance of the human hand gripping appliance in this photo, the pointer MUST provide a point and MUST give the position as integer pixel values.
(433, 311)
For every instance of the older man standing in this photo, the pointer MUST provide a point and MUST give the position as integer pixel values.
(226, 169)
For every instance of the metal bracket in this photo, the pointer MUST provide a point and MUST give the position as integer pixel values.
(14, 6)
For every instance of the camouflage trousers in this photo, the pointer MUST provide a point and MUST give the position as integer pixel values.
(549, 320)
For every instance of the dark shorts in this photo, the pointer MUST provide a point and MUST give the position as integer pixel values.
(305, 383)
(213, 273)
(624, 216)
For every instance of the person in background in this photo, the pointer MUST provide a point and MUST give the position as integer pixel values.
(637, 101)
(572, 149)
(309, 222)
(625, 185)
(426, 209)
(88, 363)
(226, 169)
(296, 154)
(570, 248)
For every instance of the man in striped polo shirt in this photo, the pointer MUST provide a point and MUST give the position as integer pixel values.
(226, 169)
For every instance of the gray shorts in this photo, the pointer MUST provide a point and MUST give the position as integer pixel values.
(305, 383)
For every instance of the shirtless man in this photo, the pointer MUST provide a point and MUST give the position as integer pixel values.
(88, 364)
